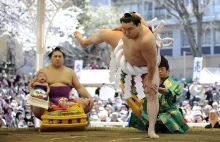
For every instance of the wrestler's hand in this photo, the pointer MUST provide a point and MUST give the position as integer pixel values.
(150, 88)
(163, 90)
(90, 102)
(47, 93)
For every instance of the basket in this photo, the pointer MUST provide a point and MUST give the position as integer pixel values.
(68, 122)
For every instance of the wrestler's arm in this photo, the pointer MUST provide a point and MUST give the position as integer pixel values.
(149, 53)
(79, 87)
(31, 84)
(48, 88)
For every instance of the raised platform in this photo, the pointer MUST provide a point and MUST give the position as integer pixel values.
(104, 134)
(123, 124)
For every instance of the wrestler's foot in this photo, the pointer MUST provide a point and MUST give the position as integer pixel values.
(152, 134)
(80, 39)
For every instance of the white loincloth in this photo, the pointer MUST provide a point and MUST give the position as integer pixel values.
(118, 64)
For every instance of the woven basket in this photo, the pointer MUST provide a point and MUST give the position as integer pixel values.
(68, 122)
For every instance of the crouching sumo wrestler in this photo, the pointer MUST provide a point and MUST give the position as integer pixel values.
(61, 80)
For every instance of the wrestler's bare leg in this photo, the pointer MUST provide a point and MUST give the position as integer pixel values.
(153, 108)
(38, 112)
(105, 35)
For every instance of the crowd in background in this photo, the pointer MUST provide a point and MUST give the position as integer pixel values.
(199, 100)
(196, 104)
(14, 111)
(109, 105)
(95, 66)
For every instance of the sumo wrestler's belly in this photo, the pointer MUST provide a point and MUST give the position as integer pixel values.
(60, 83)
(136, 61)
(135, 58)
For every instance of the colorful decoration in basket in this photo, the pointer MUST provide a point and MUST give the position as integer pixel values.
(65, 107)
(40, 94)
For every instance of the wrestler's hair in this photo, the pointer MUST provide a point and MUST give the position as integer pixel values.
(164, 63)
(131, 17)
(56, 49)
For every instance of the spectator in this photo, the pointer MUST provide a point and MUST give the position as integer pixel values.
(29, 119)
(2, 120)
(209, 95)
(214, 86)
(19, 121)
(97, 91)
(115, 117)
(206, 111)
(214, 123)
(216, 96)
(117, 99)
(194, 91)
(94, 118)
(9, 117)
(88, 67)
(103, 114)
(188, 94)
(215, 105)
(196, 106)
(198, 118)
(95, 66)
(103, 66)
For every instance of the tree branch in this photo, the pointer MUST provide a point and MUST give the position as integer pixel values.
(169, 7)
(184, 11)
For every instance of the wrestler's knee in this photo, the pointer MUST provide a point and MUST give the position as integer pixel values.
(87, 107)
(151, 97)
(84, 103)
(38, 112)
(87, 110)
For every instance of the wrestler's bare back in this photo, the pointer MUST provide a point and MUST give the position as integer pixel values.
(132, 48)
(59, 77)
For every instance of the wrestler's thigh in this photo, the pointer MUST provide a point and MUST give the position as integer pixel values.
(84, 103)
(38, 112)
(156, 78)
(111, 37)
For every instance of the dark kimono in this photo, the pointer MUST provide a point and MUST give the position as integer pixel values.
(209, 126)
